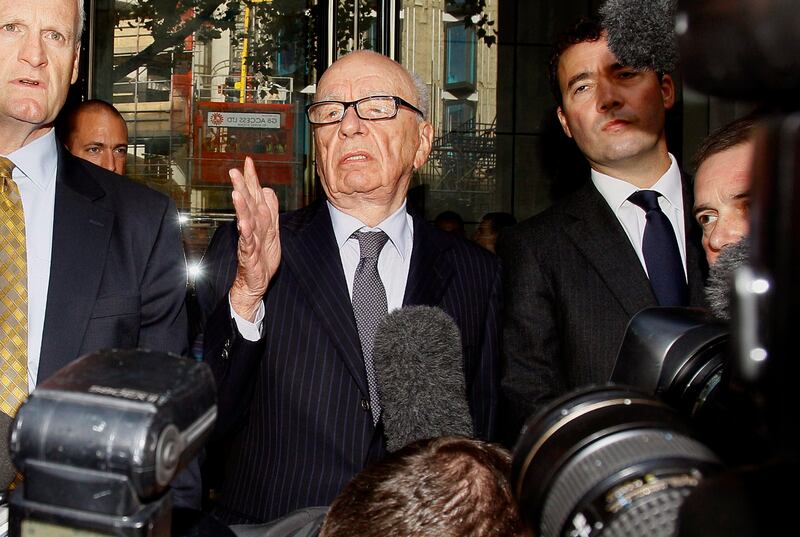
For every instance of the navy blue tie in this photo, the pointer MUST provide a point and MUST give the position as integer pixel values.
(661, 254)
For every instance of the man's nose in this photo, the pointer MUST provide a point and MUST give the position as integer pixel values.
(33, 51)
(108, 162)
(118, 165)
(728, 231)
(608, 95)
(351, 124)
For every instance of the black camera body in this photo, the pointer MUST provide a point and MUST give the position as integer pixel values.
(99, 442)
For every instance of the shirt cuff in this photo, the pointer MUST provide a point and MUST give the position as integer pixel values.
(251, 331)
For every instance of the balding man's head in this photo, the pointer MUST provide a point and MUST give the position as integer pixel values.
(367, 155)
(95, 131)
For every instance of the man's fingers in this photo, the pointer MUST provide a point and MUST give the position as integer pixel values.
(243, 213)
(251, 178)
(257, 215)
(271, 200)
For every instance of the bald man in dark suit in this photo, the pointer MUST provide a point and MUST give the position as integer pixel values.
(296, 416)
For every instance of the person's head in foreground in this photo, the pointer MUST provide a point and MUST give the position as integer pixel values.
(442, 487)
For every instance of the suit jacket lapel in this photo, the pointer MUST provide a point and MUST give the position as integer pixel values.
(310, 252)
(430, 269)
(597, 233)
(81, 232)
(696, 265)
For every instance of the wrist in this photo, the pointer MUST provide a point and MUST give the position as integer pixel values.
(244, 301)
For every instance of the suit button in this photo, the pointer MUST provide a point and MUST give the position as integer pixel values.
(365, 405)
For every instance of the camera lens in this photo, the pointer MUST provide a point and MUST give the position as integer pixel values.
(607, 460)
(675, 353)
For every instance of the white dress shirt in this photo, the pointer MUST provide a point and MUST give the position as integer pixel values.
(35, 174)
(394, 260)
(632, 217)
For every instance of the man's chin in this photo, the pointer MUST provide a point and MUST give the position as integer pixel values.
(358, 182)
(30, 112)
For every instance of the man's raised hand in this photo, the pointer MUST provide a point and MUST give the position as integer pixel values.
(259, 247)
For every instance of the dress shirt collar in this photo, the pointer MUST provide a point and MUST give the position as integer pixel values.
(395, 226)
(38, 160)
(616, 191)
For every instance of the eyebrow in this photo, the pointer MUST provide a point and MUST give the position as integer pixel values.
(584, 75)
(578, 78)
(700, 208)
(736, 197)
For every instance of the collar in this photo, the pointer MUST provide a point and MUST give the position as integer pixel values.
(616, 191)
(395, 226)
(37, 160)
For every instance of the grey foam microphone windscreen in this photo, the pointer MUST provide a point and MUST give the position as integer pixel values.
(641, 33)
(420, 370)
(720, 278)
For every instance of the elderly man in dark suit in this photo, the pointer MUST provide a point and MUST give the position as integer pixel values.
(88, 259)
(299, 415)
(579, 271)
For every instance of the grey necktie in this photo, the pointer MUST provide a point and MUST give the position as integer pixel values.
(369, 305)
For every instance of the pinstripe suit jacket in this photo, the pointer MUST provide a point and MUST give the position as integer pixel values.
(573, 281)
(293, 410)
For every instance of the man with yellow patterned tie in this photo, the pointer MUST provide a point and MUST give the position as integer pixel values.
(90, 260)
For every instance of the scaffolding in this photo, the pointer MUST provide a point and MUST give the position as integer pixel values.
(462, 165)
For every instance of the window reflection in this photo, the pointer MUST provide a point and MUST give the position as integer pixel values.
(203, 87)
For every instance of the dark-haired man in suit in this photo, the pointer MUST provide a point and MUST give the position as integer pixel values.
(298, 412)
(624, 241)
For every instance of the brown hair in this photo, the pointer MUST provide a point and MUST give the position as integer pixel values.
(734, 133)
(585, 30)
(442, 487)
(67, 120)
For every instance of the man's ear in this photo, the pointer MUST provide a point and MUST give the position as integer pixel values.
(668, 91)
(75, 64)
(425, 144)
(563, 120)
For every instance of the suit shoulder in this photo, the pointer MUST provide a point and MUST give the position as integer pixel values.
(460, 247)
(545, 230)
(131, 189)
(120, 188)
(549, 221)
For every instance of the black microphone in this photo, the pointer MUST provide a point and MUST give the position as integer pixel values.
(420, 371)
(7, 469)
(641, 33)
(720, 278)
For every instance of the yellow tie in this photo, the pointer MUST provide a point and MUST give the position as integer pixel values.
(13, 295)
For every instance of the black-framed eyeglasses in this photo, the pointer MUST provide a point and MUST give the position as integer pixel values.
(368, 108)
